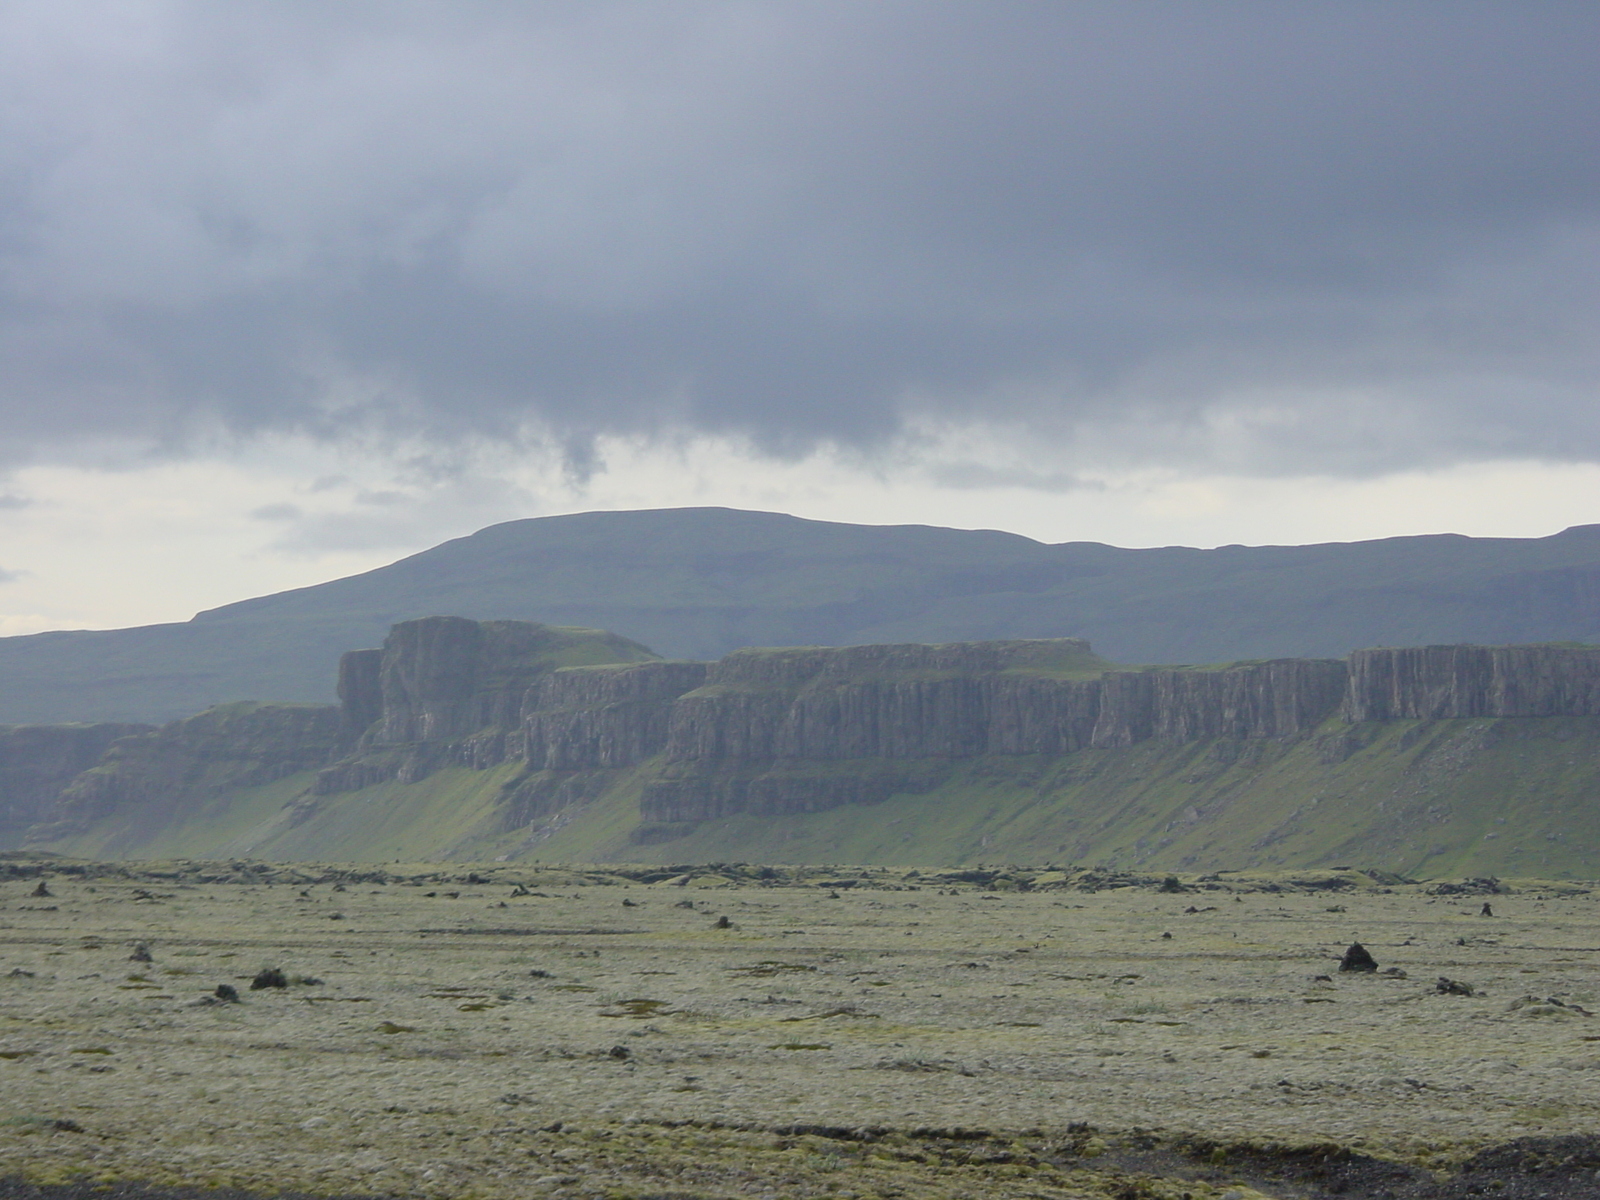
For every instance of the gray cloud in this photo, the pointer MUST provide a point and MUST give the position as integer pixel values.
(1273, 237)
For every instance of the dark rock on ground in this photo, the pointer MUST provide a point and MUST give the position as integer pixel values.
(269, 977)
(1358, 958)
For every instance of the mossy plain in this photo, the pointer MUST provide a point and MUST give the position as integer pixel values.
(521, 1030)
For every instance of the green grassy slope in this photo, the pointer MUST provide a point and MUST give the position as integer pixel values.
(1444, 798)
(696, 583)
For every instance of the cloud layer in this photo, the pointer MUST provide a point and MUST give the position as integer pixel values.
(1266, 238)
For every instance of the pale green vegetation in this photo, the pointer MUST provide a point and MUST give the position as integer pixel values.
(521, 1030)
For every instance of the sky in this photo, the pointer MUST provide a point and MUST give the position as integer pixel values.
(289, 290)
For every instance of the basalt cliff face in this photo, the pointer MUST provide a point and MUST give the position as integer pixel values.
(38, 761)
(163, 771)
(1434, 682)
(554, 721)
(886, 705)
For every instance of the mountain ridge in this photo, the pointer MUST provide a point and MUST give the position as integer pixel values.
(698, 583)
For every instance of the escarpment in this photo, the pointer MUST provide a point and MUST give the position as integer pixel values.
(567, 716)
(38, 761)
(187, 762)
(1436, 682)
(879, 704)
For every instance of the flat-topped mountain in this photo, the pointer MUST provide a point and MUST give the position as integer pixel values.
(478, 740)
(698, 583)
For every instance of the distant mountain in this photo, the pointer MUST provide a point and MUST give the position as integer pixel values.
(699, 582)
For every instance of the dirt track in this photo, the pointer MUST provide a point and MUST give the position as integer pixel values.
(905, 1038)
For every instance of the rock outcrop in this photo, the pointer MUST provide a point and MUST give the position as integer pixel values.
(183, 763)
(446, 691)
(760, 731)
(38, 761)
(447, 677)
(1434, 682)
(985, 698)
(1280, 698)
(884, 704)
(581, 718)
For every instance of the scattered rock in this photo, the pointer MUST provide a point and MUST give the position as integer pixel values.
(1393, 973)
(1452, 987)
(1549, 1006)
(269, 977)
(141, 953)
(227, 993)
(620, 1052)
(1357, 958)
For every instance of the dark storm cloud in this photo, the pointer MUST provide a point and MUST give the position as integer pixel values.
(1271, 236)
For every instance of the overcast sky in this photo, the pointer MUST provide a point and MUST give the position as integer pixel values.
(290, 289)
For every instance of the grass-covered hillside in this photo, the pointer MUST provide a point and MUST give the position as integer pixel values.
(1439, 798)
(698, 583)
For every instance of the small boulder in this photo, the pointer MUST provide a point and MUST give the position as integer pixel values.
(227, 993)
(620, 1052)
(40, 892)
(1452, 987)
(269, 977)
(1357, 958)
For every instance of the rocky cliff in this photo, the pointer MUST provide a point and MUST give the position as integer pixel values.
(186, 762)
(564, 716)
(878, 704)
(1433, 682)
(446, 677)
(38, 761)
(445, 691)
